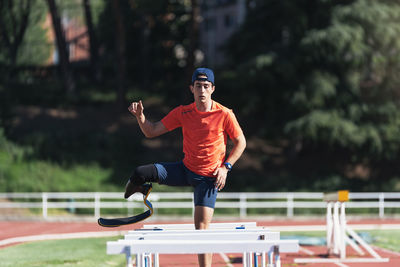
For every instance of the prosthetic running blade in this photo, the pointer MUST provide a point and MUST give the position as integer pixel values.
(115, 222)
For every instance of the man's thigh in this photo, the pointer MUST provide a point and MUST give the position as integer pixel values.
(205, 193)
(171, 173)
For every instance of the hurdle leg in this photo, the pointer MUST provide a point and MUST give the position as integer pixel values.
(244, 259)
(128, 260)
(329, 227)
(277, 256)
(128, 256)
(336, 229)
(249, 259)
(263, 260)
(270, 258)
(147, 260)
(156, 260)
(255, 259)
(342, 231)
(141, 260)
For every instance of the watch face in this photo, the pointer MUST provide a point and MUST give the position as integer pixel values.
(228, 166)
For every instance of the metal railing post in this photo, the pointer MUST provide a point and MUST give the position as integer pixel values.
(44, 205)
(289, 205)
(243, 205)
(381, 205)
(97, 205)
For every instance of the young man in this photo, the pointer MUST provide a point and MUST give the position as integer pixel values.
(205, 126)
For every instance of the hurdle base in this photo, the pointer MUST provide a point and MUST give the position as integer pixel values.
(347, 260)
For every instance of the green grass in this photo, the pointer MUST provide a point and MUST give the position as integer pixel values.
(73, 252)
(389, 239)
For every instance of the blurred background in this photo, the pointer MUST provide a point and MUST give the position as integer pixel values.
(315, 85)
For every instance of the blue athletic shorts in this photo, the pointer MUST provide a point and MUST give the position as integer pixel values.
(176, 174)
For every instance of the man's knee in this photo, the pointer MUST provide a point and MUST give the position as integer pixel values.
(143, 174)
(202, 217)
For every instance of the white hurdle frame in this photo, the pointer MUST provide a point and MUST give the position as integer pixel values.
(238, 232)
(190, 226)
(211, 234)
(142, 247)
(338, 234)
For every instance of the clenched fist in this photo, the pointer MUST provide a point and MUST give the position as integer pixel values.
(136, 108)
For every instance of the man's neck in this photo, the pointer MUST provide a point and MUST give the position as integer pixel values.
(204, 107)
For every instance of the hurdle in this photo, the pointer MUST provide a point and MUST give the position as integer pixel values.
(338, 234)
(232, 225)
(211, 234)
(240, 233)
(143, 247)
(216, 227)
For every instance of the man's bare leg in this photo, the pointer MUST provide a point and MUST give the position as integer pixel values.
(202, 219)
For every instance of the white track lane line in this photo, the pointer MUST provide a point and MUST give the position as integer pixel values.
(341, 264)
(226, 259)
(306, 251)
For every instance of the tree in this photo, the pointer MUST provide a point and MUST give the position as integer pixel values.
(14, 21)
(193, 44)
(120, 53)
(94, 47)
(153, 31)
(323, 75)
(350, 97)
(68, 79)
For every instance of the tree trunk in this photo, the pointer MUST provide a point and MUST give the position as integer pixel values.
(121, 55)
(193, 33)
(94, 48)
(13, 36)
(68, 79)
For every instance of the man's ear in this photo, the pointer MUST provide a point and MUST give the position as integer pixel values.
(191, 88)
(213, 89)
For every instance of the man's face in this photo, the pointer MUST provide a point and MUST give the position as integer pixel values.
(202, 90)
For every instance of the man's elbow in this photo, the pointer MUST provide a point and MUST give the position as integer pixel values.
(241, 142)
(149, 135)
(244, 142)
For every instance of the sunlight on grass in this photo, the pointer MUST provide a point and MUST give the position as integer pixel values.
(74, 252)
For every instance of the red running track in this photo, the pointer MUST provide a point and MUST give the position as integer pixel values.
(10, 230)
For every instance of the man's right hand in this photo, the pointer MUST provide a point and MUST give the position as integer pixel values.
(136, 108)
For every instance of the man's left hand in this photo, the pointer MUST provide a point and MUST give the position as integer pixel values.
(220, 177)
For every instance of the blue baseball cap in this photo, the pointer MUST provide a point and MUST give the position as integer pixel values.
(203, 72)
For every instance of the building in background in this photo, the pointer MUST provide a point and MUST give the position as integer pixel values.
(220, 19)
(76, 37)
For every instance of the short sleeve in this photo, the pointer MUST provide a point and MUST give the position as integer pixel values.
(173, 119)
(232, 126)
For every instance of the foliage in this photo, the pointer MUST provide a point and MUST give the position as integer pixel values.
(324, 75)
(316, 80)
(19, 172)
(153, 31)
(33, 48)
(351, 92)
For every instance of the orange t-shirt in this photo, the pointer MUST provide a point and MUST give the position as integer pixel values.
(204, 135)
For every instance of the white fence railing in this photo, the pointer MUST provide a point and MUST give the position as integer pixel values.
(243, 201)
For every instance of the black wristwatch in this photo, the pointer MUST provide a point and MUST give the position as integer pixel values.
(228, 166)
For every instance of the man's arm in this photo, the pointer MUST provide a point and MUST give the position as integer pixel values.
(239, 144)
(149, 129)
(237, 150)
